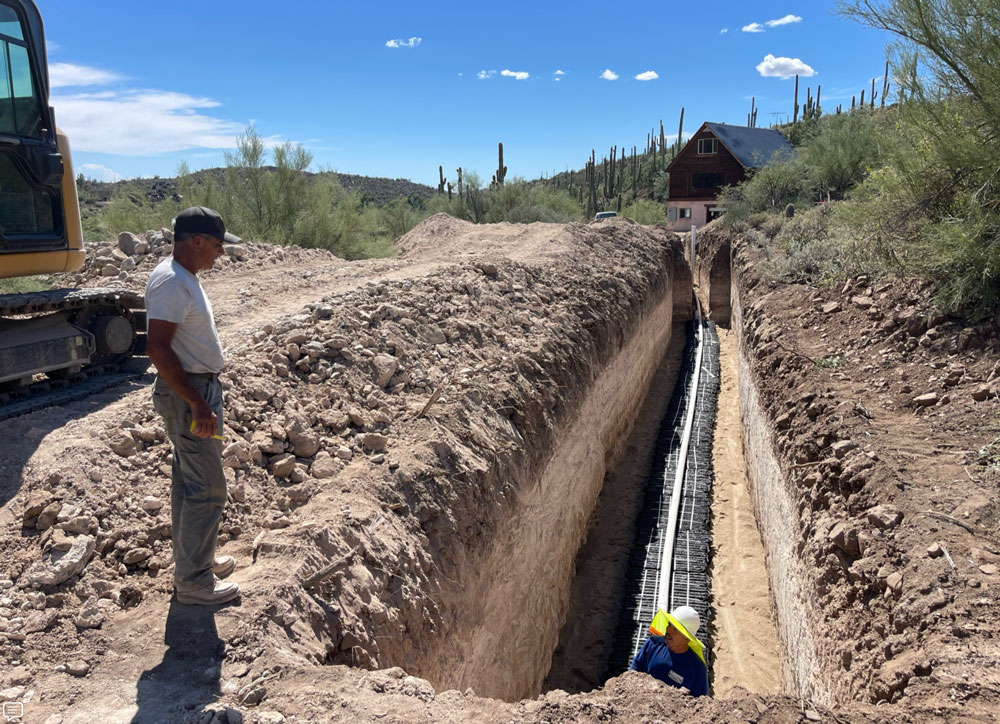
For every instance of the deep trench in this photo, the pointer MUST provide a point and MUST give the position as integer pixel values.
(619, 565)
(559, 585)
(612, 598)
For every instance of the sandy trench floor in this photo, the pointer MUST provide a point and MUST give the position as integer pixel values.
(746, 648)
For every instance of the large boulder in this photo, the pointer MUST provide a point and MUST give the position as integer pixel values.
(305, 441)
(127, 242)
(63, 558)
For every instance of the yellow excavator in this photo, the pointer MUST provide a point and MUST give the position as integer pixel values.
(62, 335)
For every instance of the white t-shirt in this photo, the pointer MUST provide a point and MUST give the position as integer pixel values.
(174, 294)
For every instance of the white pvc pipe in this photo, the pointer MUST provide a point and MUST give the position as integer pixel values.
(667, 559)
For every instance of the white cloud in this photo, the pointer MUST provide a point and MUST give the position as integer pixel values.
(753, 28)
(609, 74)
(66, 75)
(98, 172)
(648, 75)
(400, 43)
(515, 74)
(723, 31)
(772, 67)
(142, 122)
(557, 79)
(485, 74)
(788, 19)
(560, 72)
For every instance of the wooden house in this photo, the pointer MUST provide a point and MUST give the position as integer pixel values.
(717, 155)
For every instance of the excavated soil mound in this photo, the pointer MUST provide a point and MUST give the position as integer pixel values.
(128, 262)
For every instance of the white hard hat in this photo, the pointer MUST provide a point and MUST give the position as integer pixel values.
(688, 618)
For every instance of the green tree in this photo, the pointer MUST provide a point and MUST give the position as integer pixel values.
(935, 207)
(770, 187)
(841, 151)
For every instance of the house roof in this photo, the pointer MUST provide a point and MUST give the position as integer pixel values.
(751, 146)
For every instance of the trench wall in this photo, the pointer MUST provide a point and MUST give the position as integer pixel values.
(518, 595)
(776, 508)
(713, 273)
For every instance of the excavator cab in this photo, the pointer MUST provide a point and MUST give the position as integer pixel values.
(40, 230)
(50, 339)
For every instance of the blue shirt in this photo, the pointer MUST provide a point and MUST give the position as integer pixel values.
(686, 669)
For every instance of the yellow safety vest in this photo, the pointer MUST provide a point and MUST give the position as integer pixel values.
(658, 627)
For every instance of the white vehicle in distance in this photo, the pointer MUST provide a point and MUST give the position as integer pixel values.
(605, 215)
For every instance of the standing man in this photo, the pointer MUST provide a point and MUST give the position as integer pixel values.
(672, 654)
(183, 343)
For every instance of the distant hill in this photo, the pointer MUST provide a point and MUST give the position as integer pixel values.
(379, 191)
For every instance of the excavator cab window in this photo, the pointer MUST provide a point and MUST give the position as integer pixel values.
(20, 110)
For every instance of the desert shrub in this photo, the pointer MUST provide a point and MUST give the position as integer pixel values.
(398, 217)
(519, 202)
(129, 210)
(339, 221)
(806, 247)
(645, 212)
(771, 224)
(516, 201)
(473, 204)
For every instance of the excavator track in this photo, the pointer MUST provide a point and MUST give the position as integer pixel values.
(105, 370)
(128, 375)
(66, 299)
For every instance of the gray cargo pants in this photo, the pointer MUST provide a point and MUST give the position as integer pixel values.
(198, 492)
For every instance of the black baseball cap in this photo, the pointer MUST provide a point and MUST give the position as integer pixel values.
(202, 220)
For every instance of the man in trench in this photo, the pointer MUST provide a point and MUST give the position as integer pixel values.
(183, 343)
(672, 654)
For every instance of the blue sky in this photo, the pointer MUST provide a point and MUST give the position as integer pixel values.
(395, 89)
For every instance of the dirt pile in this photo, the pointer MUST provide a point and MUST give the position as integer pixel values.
(128, 262)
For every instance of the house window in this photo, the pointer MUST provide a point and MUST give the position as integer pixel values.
(708, 180)
(714, 212)
(707, 146)
(684, 213)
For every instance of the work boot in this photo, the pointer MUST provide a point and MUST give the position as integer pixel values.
(223, 566)
(218, 592)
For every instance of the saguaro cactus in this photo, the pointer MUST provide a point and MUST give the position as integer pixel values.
(795, 112)
(680, 132)
(501, 169)
(885, 83)
(459, 170)
(663, 145)
(441, 181)
(591, 183)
